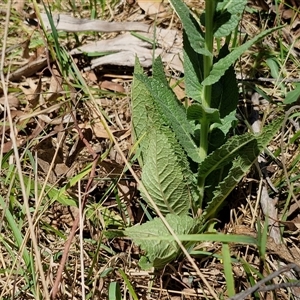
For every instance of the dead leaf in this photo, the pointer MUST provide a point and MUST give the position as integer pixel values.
(55, 85)
(13, 101)
(18, 5)
(262, 4)
(127, 47)
(46, 152)
(28, 69)
(122, 134)
(151, 7)
(26, 50)
(111, 168)
(53, 97)
(33, 99)
(6, 147)
(79, 145)
(40, 51)
(291, 226)
(42, 111)
(177, 89)
(99, 130)
(71, 24)
(112, 86)
(61, 169)
(45, 167)
(91, 76)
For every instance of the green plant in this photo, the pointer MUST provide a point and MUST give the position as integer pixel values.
(190, 159)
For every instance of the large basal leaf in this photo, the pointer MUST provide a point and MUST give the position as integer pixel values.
(240, 167)
(142, 105)
(165, 175)
(193, 70)
(226, 24)
(158, 71)
(159, 253)
(207, 237)
(173, 113)
(223, 64)
(190, 25)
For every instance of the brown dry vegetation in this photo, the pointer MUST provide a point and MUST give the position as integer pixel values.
(67, 158)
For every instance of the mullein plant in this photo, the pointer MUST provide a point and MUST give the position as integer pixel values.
(190, 160)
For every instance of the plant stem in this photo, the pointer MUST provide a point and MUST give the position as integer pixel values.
(206, 99)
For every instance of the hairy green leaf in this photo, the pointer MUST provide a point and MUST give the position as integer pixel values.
(198, 112)
(226, 88)
(229, 13)
(193, 70)
(165, 174)
(159, 253)
(191, 27)
(172, 114)
(223, 64)
(225, 154)
(227, 123)
(241, 166)
(142, 105)
(158, 71)
(209, 237)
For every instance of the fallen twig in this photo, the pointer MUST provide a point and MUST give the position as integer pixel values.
(259, 286)
(72, 233)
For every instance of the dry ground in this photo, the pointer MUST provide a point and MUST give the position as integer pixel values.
(59, 134)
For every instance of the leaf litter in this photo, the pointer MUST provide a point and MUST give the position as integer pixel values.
(44, 115)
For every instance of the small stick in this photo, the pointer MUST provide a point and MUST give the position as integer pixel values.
(258, 287)
(72, 233)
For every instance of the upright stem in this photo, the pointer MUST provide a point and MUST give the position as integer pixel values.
(206, 99)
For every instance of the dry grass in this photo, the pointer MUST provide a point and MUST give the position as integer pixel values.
(46, 168)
